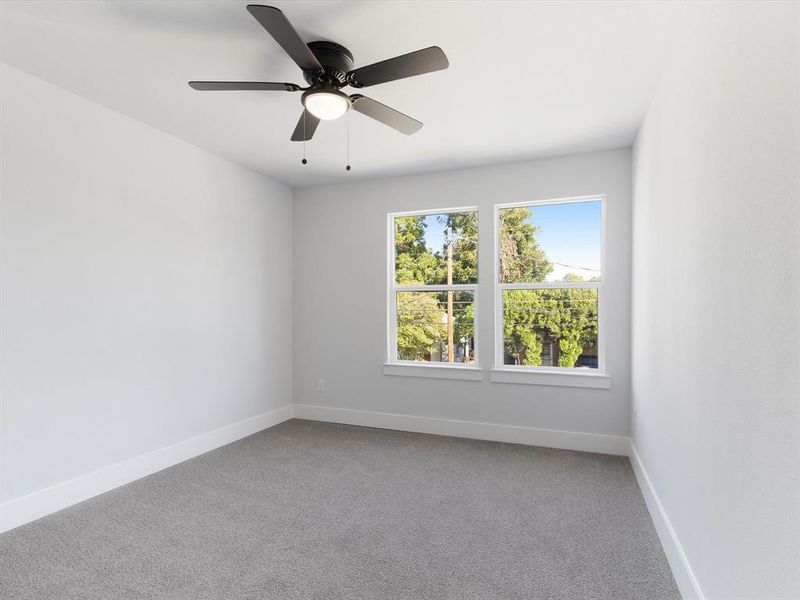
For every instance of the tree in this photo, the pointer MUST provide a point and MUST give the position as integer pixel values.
(463, 228)
(419, 324)
(533, 318)
(414, 263)
(464, 318)
(521, 338)
(521, 260)
(570, 317)
(521, 257)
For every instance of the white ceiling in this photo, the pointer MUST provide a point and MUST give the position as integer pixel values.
(526, 79)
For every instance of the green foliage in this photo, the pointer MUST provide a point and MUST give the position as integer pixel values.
(463, 314)
(534, 317)
(464, 228)
(414, 263)
(421, 270)
(520, 323)
(521, 258)
(422, 324)
(409, 236)
(418, 327)
(417, 264)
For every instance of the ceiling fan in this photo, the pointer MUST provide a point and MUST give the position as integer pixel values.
(328, 67)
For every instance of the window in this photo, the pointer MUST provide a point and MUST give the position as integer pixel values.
(549, 315)
(433, 287)
(549, 286)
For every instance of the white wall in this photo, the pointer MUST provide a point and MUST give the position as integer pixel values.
(716, 310)
(146, 288)
(340, 295)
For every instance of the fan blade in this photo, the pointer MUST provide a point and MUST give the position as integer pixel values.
(279, 27)
(306, 127)
(408, 65)
(385, 114)
(266, 86)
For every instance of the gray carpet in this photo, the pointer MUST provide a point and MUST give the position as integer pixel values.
(314, 510)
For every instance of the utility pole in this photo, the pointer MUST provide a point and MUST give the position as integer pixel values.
(450, 348)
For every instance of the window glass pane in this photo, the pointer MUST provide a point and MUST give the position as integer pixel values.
(550, 242)
(427, 323)
(436, 249)
(550, 328)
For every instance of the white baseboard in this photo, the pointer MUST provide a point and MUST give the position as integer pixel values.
(515, 434)
(28, 508)
(678, 561)
(551, 438)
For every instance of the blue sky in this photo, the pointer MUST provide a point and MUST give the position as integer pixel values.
(570, 235)
(434, 233)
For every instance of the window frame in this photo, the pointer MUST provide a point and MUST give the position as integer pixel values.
(569, 376)
(418, 368)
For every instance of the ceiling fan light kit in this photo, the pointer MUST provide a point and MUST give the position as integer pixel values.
(327, 67)
(326, 104)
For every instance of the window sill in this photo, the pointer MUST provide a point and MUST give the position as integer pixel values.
(524, 376)
(434, 371)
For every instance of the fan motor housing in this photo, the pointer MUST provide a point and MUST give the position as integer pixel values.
(335, 59)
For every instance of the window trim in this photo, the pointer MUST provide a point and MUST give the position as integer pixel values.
(391, 304)
(434, 370)
(555, 377)
(568, 376)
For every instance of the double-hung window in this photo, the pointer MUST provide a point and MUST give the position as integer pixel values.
(433, 288)
(549, 289)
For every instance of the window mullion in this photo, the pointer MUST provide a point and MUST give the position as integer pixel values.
(557, 285)
(435, 288)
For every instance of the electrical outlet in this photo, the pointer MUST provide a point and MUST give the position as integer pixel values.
(320, 385)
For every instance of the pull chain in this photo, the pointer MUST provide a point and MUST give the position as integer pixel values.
(347, 123)
(304, 161)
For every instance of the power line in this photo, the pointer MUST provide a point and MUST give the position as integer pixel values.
(574, 267)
